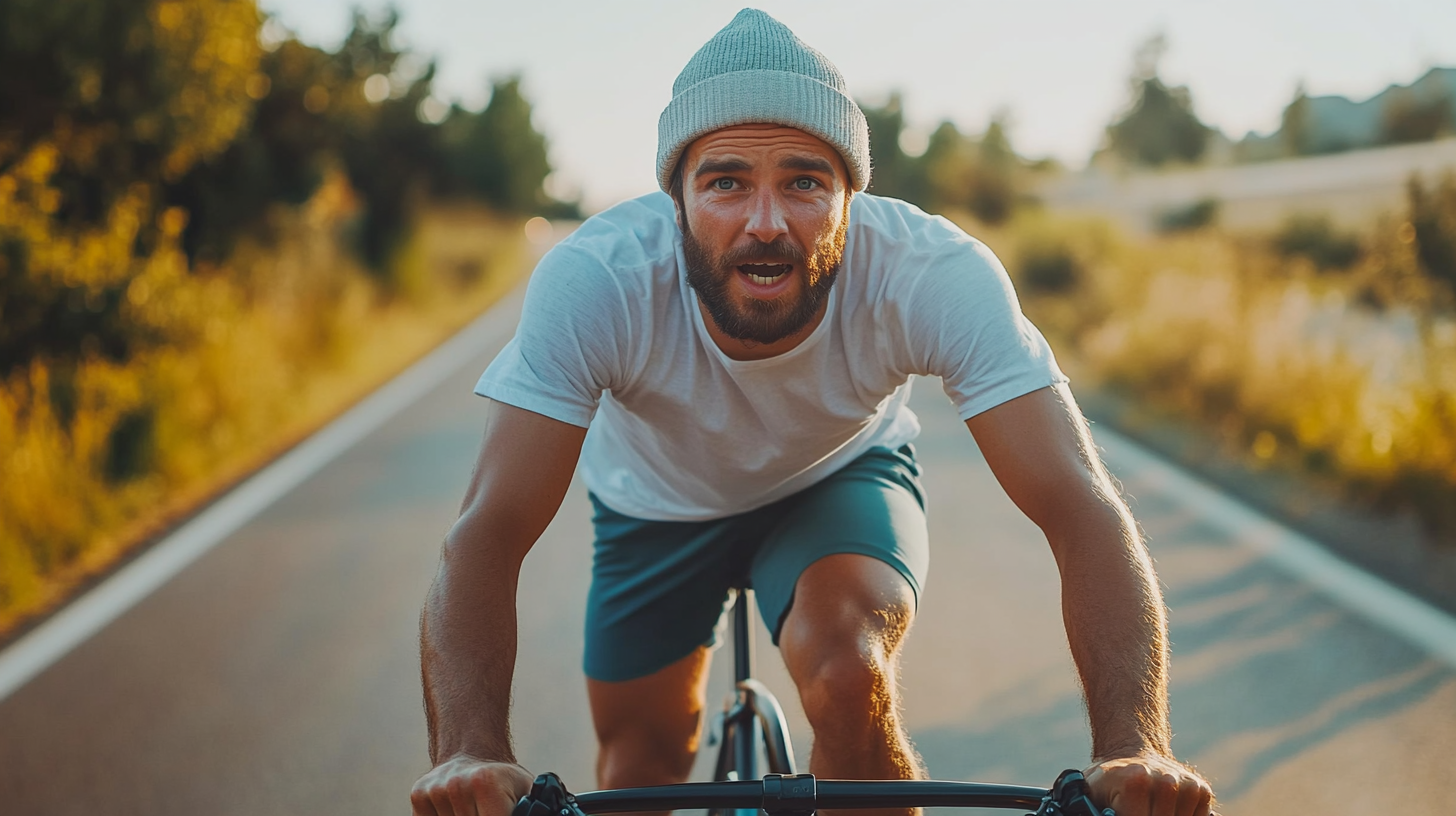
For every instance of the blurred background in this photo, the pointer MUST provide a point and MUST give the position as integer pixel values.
(224, 221)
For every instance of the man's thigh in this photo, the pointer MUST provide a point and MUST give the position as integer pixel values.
(655, 715)
(658, 590)
(874, 507)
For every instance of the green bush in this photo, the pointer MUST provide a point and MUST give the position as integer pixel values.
(1313, 237)
(1433, 222)
(1199, 214)
(1048, 267)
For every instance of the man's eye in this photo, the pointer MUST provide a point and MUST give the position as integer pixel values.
(723, 184)
(805, 184)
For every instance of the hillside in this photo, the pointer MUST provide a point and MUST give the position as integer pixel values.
(1313, 125)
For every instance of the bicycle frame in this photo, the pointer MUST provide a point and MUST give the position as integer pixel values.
(753, 715)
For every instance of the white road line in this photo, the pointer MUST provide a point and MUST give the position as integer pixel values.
(87, 615)
(1359, 592)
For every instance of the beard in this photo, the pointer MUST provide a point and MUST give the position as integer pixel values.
(750, 319)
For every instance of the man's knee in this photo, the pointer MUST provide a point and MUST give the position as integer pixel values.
(841, 640)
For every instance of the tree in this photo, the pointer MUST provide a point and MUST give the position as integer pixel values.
(104, 103)
(1296, 128)
(1433, 219)
(1409, 117)
(497, 154)
(1160, 125)
(893, 172)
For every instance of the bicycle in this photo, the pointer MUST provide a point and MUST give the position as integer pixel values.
(753, 720)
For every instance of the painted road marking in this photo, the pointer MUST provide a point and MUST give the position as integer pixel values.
(88, 614)
(1359, 592)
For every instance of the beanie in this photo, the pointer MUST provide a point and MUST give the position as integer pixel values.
(756, 71)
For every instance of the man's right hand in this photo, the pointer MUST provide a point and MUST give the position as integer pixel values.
(465, 786)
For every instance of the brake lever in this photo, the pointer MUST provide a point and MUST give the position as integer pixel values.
(1070, 796)
(548, 797)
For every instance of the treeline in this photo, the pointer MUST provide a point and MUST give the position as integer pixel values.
(955, 172)
(132, 129)
(214, 237)
(1160, 126)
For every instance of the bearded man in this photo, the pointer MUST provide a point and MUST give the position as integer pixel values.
(740, 348)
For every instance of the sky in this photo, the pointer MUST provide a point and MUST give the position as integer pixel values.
(599, 72)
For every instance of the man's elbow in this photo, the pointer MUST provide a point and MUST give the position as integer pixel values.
(1086, 514)
(482, 544)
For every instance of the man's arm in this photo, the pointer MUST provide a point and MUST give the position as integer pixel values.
(468, 627)
(1041, 452)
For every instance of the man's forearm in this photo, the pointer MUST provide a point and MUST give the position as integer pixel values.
(1117, 628)
(468, 653)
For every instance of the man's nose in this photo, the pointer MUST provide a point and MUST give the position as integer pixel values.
(766, 220)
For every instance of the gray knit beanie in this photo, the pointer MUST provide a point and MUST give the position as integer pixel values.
(753, 71)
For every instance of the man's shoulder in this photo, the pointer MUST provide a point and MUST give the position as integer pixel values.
(896, 244)
(638, 233)
(900, 223)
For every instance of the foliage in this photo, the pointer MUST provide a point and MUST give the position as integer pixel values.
(1314, 237)
(1433, 227)
(97, 454)
(895, 174)
(956, 173)
(1308, 370)
(142, 128)
(1296, 125)
(207, 246)
(1409, 117)
(1160, 126)
(1201, 213)
(105, 103)
(496, 154)
(1419, 112)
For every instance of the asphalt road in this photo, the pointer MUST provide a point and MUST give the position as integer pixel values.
(277, 674)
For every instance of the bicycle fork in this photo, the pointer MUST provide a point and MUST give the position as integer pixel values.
(753, 717)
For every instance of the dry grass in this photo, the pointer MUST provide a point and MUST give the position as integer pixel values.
(97, 458)
(1348, 376)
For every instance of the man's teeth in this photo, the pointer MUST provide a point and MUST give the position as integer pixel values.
(763, 280)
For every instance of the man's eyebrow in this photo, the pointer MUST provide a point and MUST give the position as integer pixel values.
(714, 166)
(811, 164)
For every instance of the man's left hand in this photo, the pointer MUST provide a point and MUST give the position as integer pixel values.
(1149, 784)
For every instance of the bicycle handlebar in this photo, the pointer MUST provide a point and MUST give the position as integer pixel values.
(802, 795)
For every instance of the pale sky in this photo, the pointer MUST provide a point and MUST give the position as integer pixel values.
(599, 72)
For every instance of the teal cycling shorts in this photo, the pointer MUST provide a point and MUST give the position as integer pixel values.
(659, 588)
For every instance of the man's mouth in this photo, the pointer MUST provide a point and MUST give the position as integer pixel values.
(765, 274)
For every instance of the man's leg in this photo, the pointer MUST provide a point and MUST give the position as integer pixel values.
(841, 642)
(647, 728)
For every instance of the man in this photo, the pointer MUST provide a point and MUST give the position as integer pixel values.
(740, 349)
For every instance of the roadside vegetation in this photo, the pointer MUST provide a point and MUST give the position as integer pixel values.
(1308, 348)
(214, 237)
(1327, 354)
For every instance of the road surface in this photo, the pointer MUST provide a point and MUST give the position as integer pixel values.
(278, 674)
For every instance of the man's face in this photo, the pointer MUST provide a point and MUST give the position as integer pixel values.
(764, 214)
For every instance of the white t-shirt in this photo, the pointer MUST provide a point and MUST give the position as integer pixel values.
(611, 338)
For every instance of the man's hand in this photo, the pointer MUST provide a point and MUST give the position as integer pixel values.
(1149, 784)
(465, 786)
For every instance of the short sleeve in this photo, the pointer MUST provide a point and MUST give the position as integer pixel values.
(570, 344)
(964, 324)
